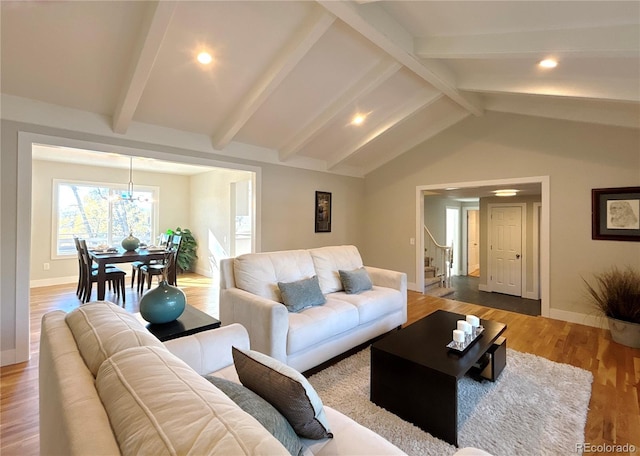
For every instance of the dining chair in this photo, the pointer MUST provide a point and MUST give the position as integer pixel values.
(114, 276)
(136, 265)
(166, 268)
(176, 241)
(80, 289)
(94, 267)
(81, 273)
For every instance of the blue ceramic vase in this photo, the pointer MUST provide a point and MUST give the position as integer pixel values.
(163, 304)
(130, 243)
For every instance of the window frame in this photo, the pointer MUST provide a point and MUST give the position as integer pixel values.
(112, 186)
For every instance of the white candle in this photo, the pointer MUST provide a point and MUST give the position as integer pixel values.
(473, 320)
(458, 335)
(464, 326)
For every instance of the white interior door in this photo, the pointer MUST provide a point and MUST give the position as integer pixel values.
(241, 223)
(452, 229)
(506, 250)
(473, 241)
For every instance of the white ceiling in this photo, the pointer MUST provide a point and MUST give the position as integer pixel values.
(473, 193)
(288, 76)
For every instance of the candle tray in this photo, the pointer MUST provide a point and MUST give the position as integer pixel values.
(465, 346)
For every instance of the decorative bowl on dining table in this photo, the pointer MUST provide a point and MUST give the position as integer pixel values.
(154, 248)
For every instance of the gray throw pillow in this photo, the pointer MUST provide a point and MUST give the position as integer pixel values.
(261, 410)
(301, 294)
(355, 281)
(286, 389)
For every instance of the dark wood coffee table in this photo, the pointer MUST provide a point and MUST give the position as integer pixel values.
(191, 321)
(415, 376)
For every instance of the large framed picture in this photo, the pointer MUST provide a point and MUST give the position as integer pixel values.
(323, 212)
(615, 214)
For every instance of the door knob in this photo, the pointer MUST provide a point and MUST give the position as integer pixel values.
(517, 256)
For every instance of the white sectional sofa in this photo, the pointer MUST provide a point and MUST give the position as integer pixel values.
(250, 295)
(109, 387)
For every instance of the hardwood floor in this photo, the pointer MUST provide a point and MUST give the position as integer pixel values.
(614, 410)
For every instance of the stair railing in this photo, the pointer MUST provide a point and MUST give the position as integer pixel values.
(438, 256)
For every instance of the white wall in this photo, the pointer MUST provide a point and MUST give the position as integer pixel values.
(211, 209)
(10, 345)
(288, 211)
(435, 208)
(435, 219)
(577, 157)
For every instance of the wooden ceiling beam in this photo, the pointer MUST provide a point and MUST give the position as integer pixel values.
(150, 39)
(392, 120)
(593, 42)
(372, 22)
(428, 132)
(625, 90)
(374, 78)
(577, 110)
(286, 60)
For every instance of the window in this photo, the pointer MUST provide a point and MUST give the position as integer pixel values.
(99, 213)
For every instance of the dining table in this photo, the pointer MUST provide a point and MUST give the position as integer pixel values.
(112, 256)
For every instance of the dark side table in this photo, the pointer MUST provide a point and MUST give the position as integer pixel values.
(191, 321)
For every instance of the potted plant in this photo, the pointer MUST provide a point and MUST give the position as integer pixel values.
(188, 246)
(616, 294)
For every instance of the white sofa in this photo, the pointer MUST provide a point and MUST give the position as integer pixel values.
(108, 387)
(249, 295)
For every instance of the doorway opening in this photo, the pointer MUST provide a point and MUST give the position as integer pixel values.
(472, 235)
(25, 222)
(214, 203)
(473, 198)
(452, 228)
(241, 217)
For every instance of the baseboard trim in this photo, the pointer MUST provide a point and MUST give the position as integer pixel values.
(582, 319)
(557, 314)
(53, 281)
(204, 272)
(8, 357)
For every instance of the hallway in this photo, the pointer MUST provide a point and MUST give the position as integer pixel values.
(466, 290)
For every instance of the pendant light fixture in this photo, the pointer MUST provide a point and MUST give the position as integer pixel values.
(128, 196)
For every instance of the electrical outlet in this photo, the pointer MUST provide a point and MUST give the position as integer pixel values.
(412, 241)
(45, 266)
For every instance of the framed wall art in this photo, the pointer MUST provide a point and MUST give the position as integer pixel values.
(615, 214)
(323, 212)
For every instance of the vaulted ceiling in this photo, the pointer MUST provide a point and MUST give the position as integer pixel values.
(288, 77)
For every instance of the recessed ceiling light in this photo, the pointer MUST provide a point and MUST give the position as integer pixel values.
(358, 119)
(548, 63)
(506, 192)
(205, 58)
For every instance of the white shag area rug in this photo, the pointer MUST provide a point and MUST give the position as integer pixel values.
(536, 407)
